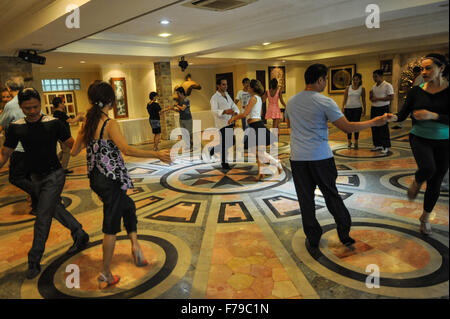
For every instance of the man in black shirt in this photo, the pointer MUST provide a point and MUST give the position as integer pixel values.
(38, 134)
(60, 113)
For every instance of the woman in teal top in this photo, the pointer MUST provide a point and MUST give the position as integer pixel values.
(429, 106)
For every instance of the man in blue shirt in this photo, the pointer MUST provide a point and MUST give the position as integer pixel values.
(312, 162)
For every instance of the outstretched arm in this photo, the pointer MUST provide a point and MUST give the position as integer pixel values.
(349, 127)
(118, 139)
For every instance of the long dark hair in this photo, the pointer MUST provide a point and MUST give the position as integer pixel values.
(100, 94)
(273, 84)
(257, 87)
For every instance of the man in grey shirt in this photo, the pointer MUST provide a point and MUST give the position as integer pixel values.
(312, 162)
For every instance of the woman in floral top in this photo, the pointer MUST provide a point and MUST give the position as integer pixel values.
(108, 176)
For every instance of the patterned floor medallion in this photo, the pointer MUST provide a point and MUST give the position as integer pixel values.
(213, 179)
(209, 232)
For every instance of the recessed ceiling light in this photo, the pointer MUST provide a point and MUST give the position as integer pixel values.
(60, 67)
(164, 35)
(266, 43)
(165, 21)
(284, 61)
(82, 61)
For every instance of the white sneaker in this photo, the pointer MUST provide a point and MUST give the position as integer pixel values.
(377, 148)
(385, 150)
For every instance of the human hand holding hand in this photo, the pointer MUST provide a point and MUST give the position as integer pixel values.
(380, 120)
(164, 156)
(230, 121)
(390, 117)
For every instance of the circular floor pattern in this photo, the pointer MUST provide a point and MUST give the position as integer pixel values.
(160, 253)
(405, 258)
(402, 182)
(362, 152)
(213, 179)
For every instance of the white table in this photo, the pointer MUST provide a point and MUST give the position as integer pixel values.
(136, 131)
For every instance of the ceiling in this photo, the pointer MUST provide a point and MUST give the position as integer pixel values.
(117, 31)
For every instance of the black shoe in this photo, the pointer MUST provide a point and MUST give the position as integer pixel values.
(349, 242)
(226, 166)
(33, 212)
(34, 269)
(67, 171)
(79, 244)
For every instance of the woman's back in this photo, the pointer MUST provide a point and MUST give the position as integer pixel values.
(255, 113)
(103, 154)
(273, 95)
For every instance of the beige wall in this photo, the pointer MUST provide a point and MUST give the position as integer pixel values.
(140, 81)
(205, 77)
(86, 78)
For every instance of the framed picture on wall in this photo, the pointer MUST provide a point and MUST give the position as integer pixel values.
(339, 77)
(68, 99)
(120, 89)
(279, 73)
(386, 66)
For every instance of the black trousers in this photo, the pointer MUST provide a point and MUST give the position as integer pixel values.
(432, 160)
(353, 115)
(226, 136)
(20, 176)
(49, 205)
(309, 174)
(116, 204)
(380, 134)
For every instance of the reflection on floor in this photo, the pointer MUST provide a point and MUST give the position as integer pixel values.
(214, 233)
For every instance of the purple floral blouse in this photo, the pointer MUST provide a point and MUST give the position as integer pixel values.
(106, 157)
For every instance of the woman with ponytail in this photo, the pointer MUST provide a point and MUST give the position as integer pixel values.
(429, 107)
(253, 114)
(108, 176)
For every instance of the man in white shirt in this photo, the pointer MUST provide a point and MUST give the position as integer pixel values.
(381, 95)
(223, 108)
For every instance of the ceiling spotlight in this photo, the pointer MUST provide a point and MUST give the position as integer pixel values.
(164, 35)
(60, 67)
(82, 61)
(165, 21)
(266, 43)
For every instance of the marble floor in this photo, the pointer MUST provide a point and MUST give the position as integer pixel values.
(210, 233)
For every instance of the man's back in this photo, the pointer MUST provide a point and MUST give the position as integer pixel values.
(309, 113)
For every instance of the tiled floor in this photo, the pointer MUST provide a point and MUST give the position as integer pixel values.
(214, 233)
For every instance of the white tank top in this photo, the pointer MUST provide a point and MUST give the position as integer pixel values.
(354, 98)
(255, 113)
